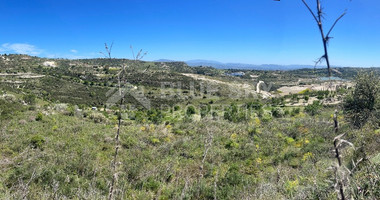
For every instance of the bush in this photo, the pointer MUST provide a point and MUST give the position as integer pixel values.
(39, 116)
(29, 99)
(97, 117)
(363, 102)
(190, 110)
(278, 112)
(37, 141)
(155, 116)
(295, 112)
(176, 108)
(266, 116)
(9, 109)
(233, 114)
(70, 111)
(314, 108)
(256, 105)
(205, 110)
(233, 177)
(214, 115)
(151, 184)
(178, 132)
(32, 108)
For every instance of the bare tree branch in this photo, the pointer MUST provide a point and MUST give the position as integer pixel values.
(26, 187)
(336, 21)
(108, 51)
(319, 60)
(325, 37)
(208, 145)
(133, 53)
(319, 12)
(312, 13)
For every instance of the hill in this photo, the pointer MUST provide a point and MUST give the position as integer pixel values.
(171, 131)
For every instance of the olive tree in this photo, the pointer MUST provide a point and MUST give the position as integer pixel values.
(363, 103)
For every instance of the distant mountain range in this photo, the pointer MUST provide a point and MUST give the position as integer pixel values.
(220, 65)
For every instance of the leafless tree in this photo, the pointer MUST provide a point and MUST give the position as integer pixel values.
(121, 84)
(140, 55)
(318, 16)
(108, 52)
(121, 80)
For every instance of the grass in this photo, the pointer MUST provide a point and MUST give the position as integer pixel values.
(70, 157)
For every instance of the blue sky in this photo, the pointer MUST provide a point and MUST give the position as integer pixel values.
(245, 31)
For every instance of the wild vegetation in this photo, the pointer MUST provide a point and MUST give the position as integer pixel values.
(197, 140)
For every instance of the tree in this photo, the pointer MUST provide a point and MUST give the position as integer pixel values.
(325, 37)
(363, 103)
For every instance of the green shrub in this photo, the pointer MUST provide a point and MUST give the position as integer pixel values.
(314, 108)
(155, 141)
(37, 142)
(97, 117)
(32, 108)
(278, 112)
(266, 116)
(178, 132)
(152, 184)
(156, 116)
(139, 116)
(29, 99)
(255, 105)
(233, 114)
(205, 110)
(294, 162)
(128, 142)
(295, 111)
(233, 177)
(177, 108)
(190, 110)
(364, 102)
(9, 109)
(232, 144)
(214, 115)
(70, 111)
(39, 116)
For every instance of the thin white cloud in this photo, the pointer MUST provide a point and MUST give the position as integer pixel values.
(74, 51)
(21, 48)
